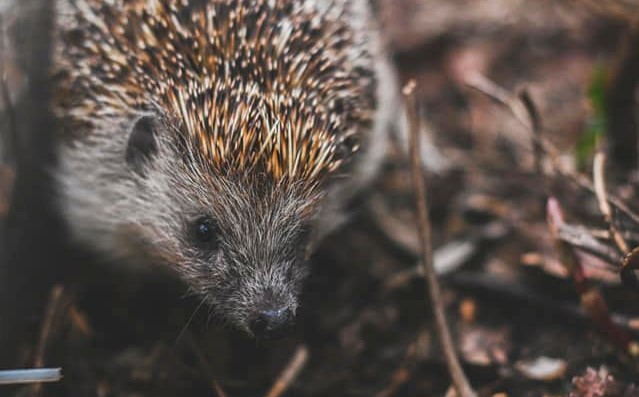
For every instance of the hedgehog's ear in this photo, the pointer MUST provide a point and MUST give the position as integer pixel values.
(142, 144)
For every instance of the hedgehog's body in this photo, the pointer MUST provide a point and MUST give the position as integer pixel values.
(212, 134)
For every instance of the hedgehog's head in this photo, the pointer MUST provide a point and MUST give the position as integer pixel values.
(251, 105)
(228, 202)
(233, 221)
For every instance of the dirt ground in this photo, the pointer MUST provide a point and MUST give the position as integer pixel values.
(523, 324)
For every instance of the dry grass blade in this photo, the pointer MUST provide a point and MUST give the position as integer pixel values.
(537, 128)
(487, 87)
(456, 372)
(290, 373)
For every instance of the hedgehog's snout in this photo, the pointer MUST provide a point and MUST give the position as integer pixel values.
(271, 318)
(265, 303)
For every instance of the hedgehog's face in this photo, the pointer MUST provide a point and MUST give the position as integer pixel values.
(243, 251)
(238, 241)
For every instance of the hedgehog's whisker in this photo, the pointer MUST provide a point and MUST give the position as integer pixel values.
(189, 321)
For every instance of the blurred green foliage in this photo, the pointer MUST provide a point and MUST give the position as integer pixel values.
(597, 123)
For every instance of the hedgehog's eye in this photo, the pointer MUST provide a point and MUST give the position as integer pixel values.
(205, 232)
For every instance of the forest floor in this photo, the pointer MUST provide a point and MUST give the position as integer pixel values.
(365, 326)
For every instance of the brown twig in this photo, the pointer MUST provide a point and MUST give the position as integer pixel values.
(456, 372)
(290, 372)
(53, 308)
(537, 129)
(79, 320)
(487, 87)
(628, 264)
(599, 164)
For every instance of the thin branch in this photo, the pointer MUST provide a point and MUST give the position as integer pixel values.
(537, 129)
(602, 199)
(79, 321)
(487, 87)
(290, 372)
(457, 374)
(629, 263)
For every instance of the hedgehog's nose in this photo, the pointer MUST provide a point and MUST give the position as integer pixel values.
(271, 322)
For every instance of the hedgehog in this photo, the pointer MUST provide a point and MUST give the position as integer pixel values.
(222, 139)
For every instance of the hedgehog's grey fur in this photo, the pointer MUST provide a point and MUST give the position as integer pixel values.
(283, 182)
